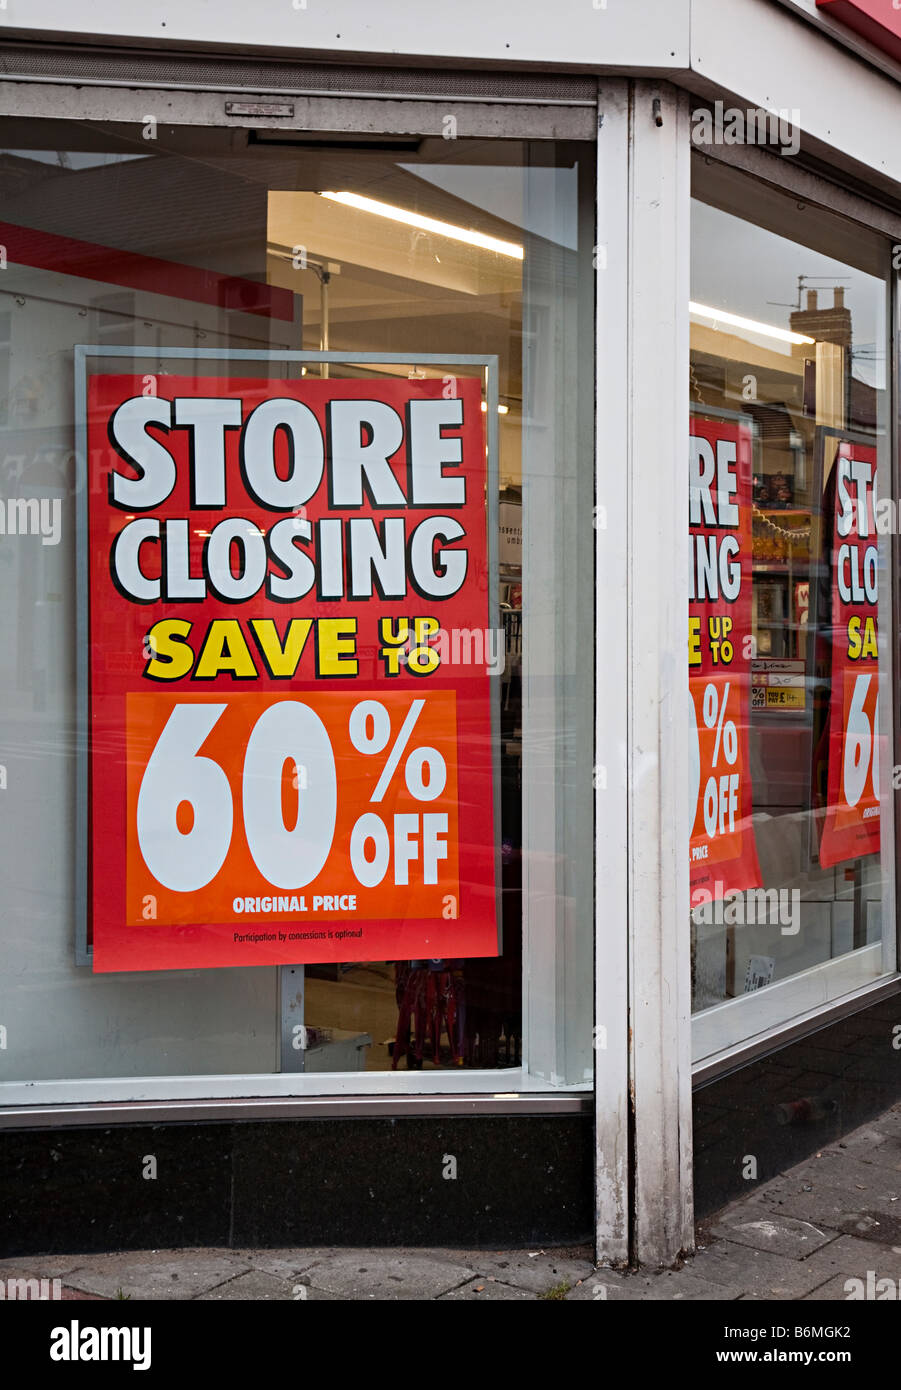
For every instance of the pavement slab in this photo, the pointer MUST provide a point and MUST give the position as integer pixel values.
(537, 1273)
(781, 1235)
(862, 1143)
(851, 1257)
(255, 1286)
(284, 1264)
(841, 1168)
(868, 1212)
(834, 1290)
(602, 1285)
(159, 1274)
(383, 1274)
(304, 1292)
(681, 1285)
(40, 1266)
(748, 1270)
(486, 1291)
(887, 1154)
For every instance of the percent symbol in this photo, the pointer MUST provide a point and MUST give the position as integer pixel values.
(714, 712)
(370, 732)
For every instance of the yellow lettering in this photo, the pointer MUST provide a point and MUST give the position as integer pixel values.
(869, 638)
(225, 649)
(694, 641)
(423, 659)
(394, 636)
(172, 657)
(281, 659)
(336, 653)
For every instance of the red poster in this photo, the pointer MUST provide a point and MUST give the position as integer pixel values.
(723, 856)
(851, 824)
(291, 751)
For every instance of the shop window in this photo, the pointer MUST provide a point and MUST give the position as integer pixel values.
(470, 247)
(792, 866)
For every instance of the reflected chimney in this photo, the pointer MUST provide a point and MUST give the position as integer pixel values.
(829, 324)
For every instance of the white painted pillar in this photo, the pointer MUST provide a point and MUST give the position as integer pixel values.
(642, 893)
(611, 1054)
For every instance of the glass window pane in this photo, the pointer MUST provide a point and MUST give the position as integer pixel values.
(789, 602)
(476, 247)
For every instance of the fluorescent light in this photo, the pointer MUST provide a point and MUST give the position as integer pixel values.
(501, 410)
(785, 335)
(427, 224)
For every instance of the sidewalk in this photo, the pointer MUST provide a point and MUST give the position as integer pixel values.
(835, 1217)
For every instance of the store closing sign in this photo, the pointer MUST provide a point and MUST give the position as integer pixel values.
(723, 856)
(851, 824)
(284, 765)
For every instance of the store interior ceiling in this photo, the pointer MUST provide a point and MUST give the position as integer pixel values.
(251, 205)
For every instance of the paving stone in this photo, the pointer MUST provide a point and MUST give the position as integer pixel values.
(757, 1271)
(284, 1264)
(852, 1173)
(887, 1154)
(302, 1291)
(683, 1286)
(849, 1257)
(868, 1213)
(612, 1284)
(839, 1168)
(40, 1266)
(486, 1291)
(832, 1291)
(387, 1275)
(871, 1222)
(862, 1142)
(782, 1235)
(543, 1272)
(256, 1286)
(670, 1286)
(163, 1274)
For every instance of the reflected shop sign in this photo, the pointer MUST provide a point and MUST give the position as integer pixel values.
(284, 763)
(850, 828)
(723, 855)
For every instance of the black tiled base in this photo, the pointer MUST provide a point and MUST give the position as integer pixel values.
(519, 1181)
(775, 1112)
